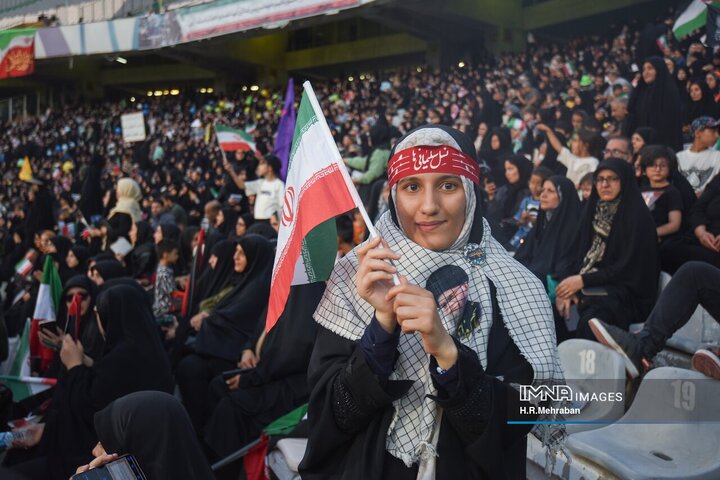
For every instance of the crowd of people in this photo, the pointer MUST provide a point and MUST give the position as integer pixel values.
(593, 164)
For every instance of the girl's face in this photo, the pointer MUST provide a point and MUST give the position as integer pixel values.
(649, 73)
(212, 261)
(431, 209)
(549, 198)
(220, 219)
(577, 147)
(483, 129)
(637, 142)
(659, 171)
(511, 173)
(495, 142)
(586, 190)
(240, 227)
(158, 235)
(240, 259)
(695, 92)
(133, 234)
(711, 81)
(535, 185)
(682, 75)
(71, 260)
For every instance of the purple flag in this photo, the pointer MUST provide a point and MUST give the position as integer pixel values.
(286, 129)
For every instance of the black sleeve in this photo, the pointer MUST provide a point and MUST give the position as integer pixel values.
(468, 407)
(698, 212)
(358, 393)
(674, 200)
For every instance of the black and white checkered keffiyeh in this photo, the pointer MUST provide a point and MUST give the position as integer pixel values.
(521, 297)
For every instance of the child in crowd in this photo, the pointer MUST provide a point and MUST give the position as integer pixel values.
(268, 190)
(662, 198)
(529, 206)
(168, 253)
(586, 185)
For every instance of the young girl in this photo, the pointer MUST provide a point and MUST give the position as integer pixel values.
(662, 198)
(527, 212)
(412, 380)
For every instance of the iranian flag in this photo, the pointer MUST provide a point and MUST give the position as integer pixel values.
(20, 380)
(318, 188)
(17, 52)
(231, 139)
(48, 300)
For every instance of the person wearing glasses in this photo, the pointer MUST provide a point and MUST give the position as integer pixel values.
(662, 197)
(616, 256)
(618, 147)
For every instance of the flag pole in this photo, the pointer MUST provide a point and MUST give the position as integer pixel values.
(337, 158)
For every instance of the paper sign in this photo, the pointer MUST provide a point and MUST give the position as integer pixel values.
(133, 127)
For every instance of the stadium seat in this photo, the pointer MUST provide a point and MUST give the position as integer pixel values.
(592, 367)
(686, 445)
(284, 460)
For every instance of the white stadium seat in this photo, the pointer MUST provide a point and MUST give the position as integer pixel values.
(592, 367)
(686, 446)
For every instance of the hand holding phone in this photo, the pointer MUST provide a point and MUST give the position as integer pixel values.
(110, 466)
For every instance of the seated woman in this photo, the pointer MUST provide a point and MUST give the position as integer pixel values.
(615, 265)
(405, 378)
(105, 270)
(215, 278)
(130, 425)
(276, 382)
(703, 244)
(506, 201)
(77, 311)
(224, 331)
(662, 198)
(547, 248)
(77, 260)
(142, 259)
(132, 360)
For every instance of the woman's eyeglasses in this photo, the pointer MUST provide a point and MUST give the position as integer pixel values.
(606, 180)
(69, 298)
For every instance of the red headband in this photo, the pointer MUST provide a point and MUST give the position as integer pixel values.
(426, 159)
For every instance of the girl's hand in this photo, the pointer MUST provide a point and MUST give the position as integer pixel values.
(374, 280)
(416, 311)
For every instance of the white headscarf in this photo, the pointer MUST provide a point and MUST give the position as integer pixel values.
(128, 196)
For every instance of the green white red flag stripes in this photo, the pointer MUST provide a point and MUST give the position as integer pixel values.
(231, 139)
(20, 381)
(318, 188)
(49, 292)
(17, 52)
(48, 300)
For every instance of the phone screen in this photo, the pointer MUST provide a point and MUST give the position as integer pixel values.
(124, 468)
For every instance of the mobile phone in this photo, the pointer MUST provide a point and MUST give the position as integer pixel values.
(124, 468)
(50, 325)
(594, 292)
(228, 374)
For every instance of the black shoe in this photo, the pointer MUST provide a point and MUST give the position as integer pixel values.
(625, 343)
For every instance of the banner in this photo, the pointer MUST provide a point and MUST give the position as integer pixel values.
(183, 25)
(17, 52)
